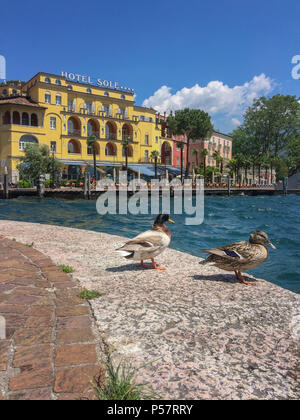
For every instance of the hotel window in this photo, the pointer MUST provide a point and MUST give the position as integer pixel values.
(14, 92)
(147, 139)
(58, 82)
(178, 161)
(4, 92)
(53, 123)
(123, 97)
(53, 146)
(146, 155)
(47, 98)
(69, 87)
(156, 139)
(47, 80)
(122, 111)
(25, 118)
(89, 90)
(106, 94)
(58, 99)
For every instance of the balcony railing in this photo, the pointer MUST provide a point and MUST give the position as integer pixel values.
(94, 134)
(111, 136)
(129, 138)
(74, 133)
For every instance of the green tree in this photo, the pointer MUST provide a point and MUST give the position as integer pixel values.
(155, 155)
(92, 142)
(194, 123)
(37, 161)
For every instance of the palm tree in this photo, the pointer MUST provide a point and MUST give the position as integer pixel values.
(92, 142)
(204, 153)
(125, 144)
(155, 155)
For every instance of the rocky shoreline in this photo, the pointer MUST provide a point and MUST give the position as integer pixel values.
(196, 331)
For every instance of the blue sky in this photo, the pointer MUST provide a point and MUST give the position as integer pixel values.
(215, 55)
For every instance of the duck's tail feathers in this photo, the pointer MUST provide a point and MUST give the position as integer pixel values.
(125, 254)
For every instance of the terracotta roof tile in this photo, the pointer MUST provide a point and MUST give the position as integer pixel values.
(19, 100)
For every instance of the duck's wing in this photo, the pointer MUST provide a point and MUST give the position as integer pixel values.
(147, 241)
(240, 250)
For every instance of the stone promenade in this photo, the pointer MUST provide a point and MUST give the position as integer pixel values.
(50, 351)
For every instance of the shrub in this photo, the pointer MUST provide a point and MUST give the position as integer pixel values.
(24, 183)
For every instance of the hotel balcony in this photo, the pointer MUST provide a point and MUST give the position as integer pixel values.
(94, 134)
(129, 138)
(74, 133)
(111, 136)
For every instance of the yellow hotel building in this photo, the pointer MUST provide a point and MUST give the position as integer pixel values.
(62, 113)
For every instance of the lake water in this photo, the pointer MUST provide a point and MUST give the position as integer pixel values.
(227, 220)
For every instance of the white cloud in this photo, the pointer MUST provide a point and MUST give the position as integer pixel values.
(215, 98)
(235, 122)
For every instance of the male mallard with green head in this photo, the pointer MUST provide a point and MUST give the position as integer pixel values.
(149, 244)
(241, 256)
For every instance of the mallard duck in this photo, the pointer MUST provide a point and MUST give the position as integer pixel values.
(241, 256)
(149, 244)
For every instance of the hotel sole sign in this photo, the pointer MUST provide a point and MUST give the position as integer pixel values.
(75, 77)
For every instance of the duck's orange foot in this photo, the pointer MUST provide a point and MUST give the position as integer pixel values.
(243, 280)
(156, 267)
(145, 266)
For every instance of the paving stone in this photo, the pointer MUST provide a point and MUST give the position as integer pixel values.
(21, 300)
(4, 354)
(32, 310)
(74, 322)
(32, 379)
(29, 336)
(40, 310)
(75, 380)
(74, 336)
(39, 355)
(39, 322)
(67, 311)
(12, 309)
(15, 320)
(32, 395)
(75, 355)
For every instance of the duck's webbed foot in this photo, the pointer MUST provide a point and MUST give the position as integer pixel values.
(243, 280)
(145, 266)
(155, 266)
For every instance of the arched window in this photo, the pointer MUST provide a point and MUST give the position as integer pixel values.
(57, 82)
(129, 151)
(4, 92)
(93, 128)
(69, 87)
(74, 147)
(106, 94)
(14, 92)
(123, 97)
(74, 127)
(34, 120)
(25, 140)
(110, 150)
(89, 90)
(6, 118)
(47, 80)
(90, 149)
(110, 131)
(25, 118)
(16, 118)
